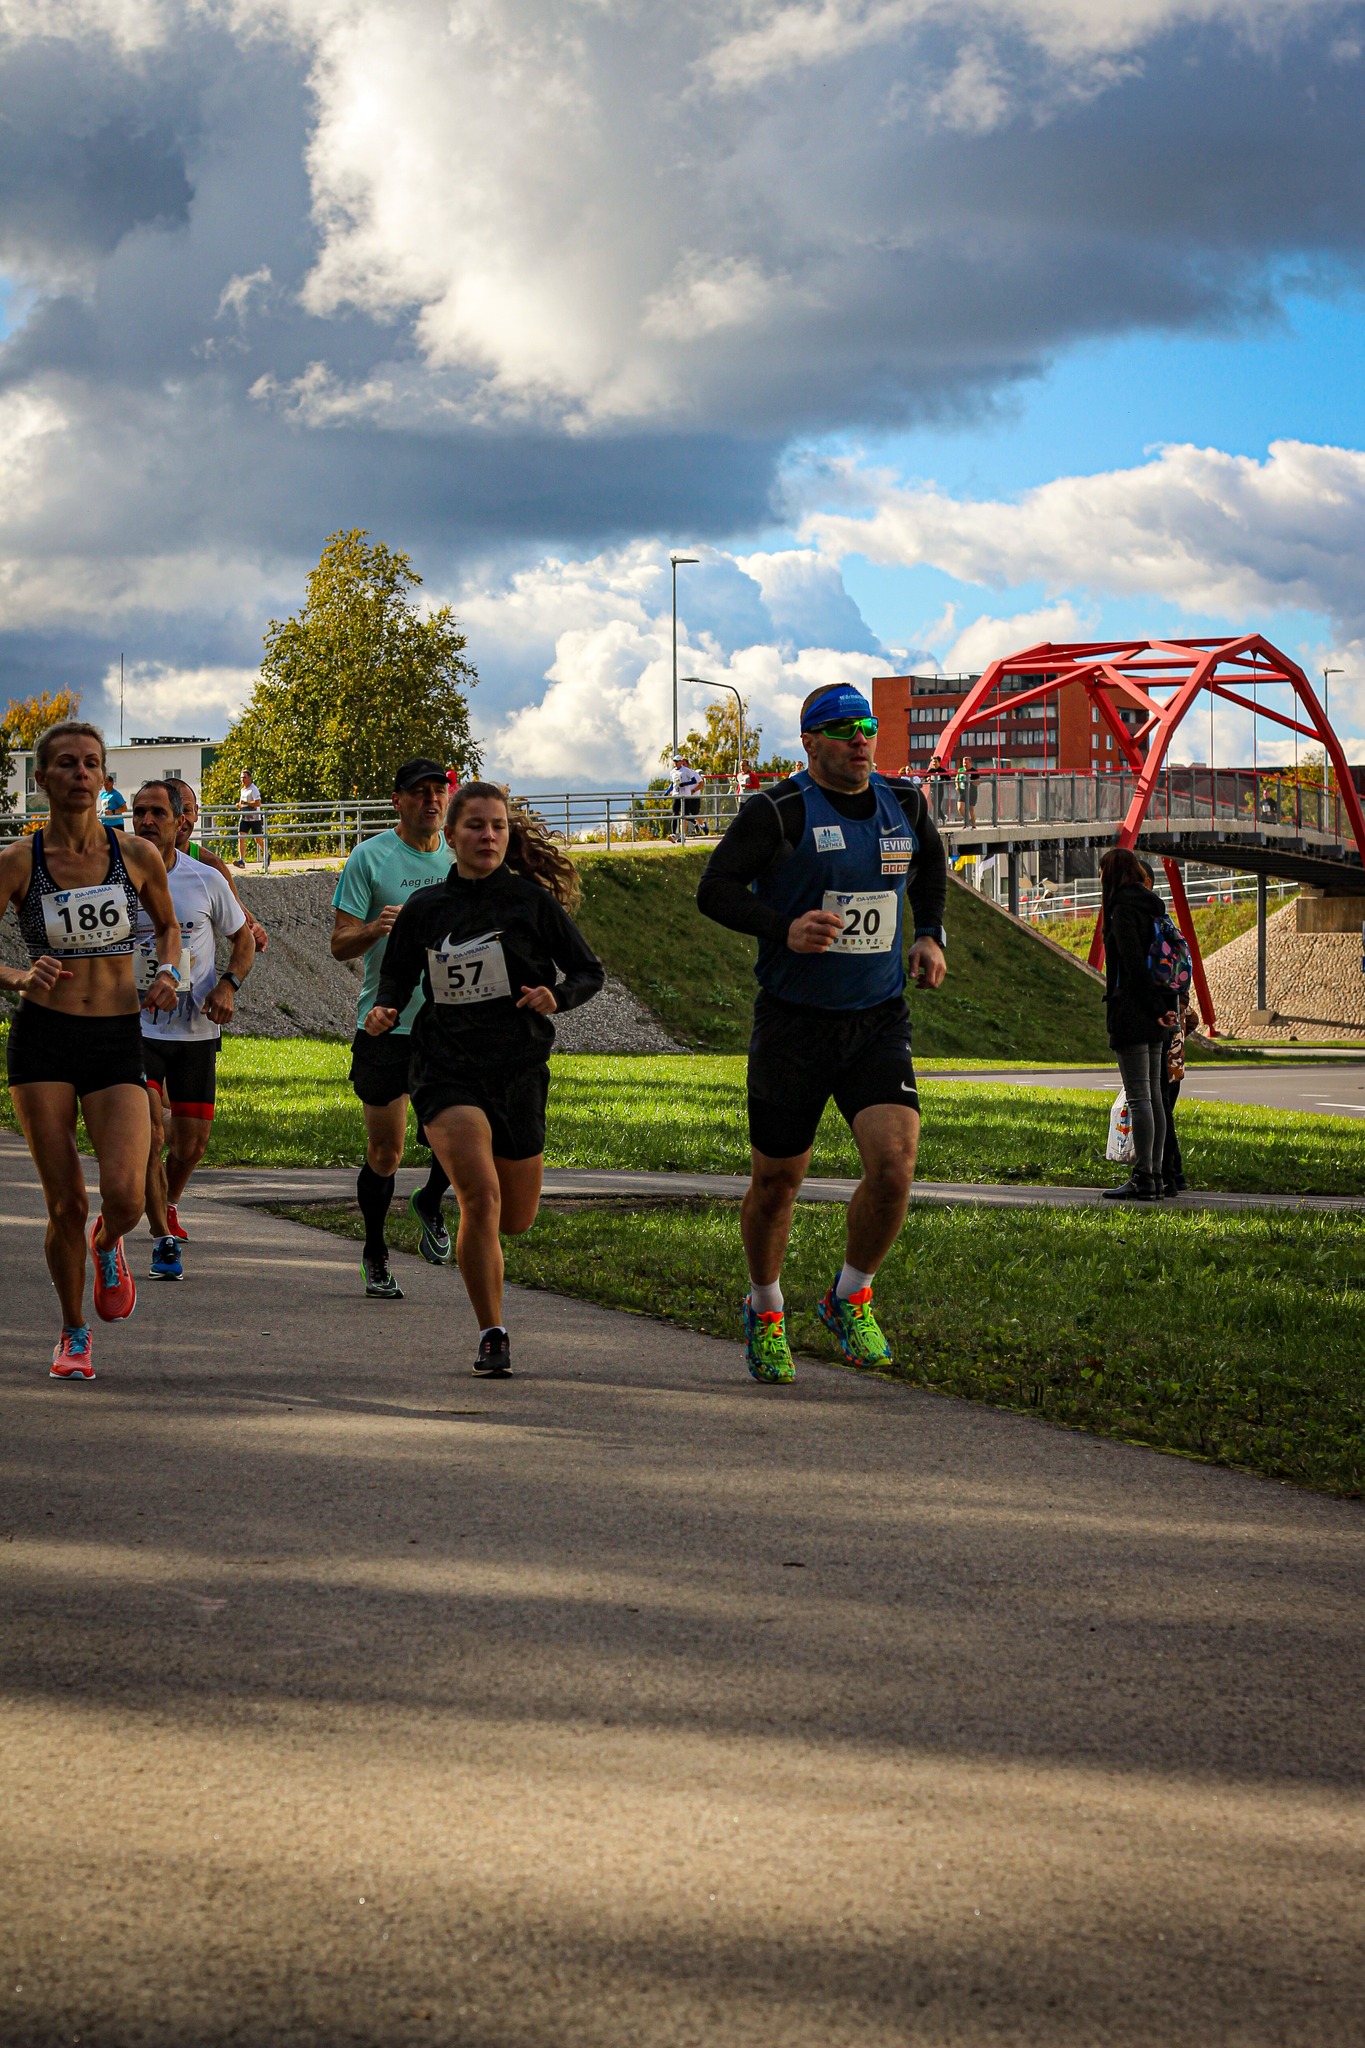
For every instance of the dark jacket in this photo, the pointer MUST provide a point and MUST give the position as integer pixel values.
(1133, 1002)
(539, 940)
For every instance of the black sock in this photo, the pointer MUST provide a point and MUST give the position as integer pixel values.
(374, 1192)
(430, 1194)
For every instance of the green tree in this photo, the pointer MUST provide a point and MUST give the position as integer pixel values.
(7, 796)
(712, 749)
(25, 717)
(358, 681)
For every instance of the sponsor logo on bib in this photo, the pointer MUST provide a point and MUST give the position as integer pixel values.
(829, 839)
(898, 850)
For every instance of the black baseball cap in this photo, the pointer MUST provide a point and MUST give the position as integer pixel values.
(413, 772)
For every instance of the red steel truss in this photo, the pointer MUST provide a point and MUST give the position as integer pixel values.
(1130, 672)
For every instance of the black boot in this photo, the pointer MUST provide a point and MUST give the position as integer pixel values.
(1139, 1187)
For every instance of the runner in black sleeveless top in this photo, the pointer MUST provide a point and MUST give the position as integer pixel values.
(76, 1040)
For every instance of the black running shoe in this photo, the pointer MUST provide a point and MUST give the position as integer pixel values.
(380, 1284)
(435, 1245)
(495, 1355)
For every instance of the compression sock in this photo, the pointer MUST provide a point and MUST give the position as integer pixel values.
(374, 1192)
(851, 1281)
(766, 1300)
(429, 1195)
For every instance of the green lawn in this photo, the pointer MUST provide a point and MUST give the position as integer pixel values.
(1233, 1338)
(287, 1102)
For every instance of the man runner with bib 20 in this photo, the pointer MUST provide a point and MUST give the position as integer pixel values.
(75, 1046)
(817, 868)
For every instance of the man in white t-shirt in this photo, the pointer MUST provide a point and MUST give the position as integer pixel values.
(180, 1046)
(251, 821)
(686, 784)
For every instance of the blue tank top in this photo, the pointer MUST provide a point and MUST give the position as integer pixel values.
(862, 863)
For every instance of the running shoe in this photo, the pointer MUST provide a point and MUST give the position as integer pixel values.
(166, 1260)
(380, 1284)
(71, 1355)
(435, 1245)
(115, 1288)
(765, 1344)
(495, 1355)
(856, 1330)
(178, 1229)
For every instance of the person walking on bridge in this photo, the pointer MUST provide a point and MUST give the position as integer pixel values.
(817, 868)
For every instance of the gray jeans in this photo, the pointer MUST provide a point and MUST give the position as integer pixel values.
(1140, 1072)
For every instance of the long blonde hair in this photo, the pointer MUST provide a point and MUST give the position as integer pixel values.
(530, 850)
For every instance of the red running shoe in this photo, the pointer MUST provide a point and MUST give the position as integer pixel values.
(115, 1288)
(177, 1228)
(71, 1355)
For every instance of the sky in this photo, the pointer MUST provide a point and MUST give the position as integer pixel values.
(933, 331)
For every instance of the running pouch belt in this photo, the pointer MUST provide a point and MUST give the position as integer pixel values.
(856, 867)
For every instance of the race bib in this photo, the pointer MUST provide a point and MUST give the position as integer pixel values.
(869, 920)
(81, 920)
(146, 966)
(473, 973)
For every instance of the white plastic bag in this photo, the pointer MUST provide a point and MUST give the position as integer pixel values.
(1120, 1146)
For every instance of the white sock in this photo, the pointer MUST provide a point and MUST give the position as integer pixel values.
(767, 1300)
(491, 1328)
(851, 1281)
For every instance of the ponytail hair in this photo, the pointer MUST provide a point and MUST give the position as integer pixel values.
(530, 850)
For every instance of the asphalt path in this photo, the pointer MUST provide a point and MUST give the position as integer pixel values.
(350, 1700)
(1322, 1088)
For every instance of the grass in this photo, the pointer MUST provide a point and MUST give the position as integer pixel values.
(1006, 997)
(1230, 1338)
(287, 1102)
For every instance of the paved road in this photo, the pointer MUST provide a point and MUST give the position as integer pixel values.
(1323, 1088)
(351, 1701)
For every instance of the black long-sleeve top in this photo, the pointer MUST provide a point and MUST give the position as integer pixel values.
(1132, 1000)
(769, 828)
(539, 941)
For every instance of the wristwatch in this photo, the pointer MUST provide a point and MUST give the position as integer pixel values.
(228, 975)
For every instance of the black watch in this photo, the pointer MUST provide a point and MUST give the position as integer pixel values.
(228, 975)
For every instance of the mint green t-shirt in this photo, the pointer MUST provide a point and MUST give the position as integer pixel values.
(383, 870)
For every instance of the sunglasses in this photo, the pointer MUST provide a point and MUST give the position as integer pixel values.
(850, 729)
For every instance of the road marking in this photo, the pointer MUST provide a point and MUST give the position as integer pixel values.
(1355, 1108)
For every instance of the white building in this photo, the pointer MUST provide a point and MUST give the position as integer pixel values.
(140, 761)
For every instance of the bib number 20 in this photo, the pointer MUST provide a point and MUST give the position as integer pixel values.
(869, 916)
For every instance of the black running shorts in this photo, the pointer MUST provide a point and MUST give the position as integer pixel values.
(379, 1067)
(513, 1103)
(184, 1073)
(88, 1052)
(799, 1057)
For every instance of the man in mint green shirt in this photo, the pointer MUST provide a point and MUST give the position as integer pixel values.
(377, 880)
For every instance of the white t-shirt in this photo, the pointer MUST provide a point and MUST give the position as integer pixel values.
(249, 800)
(208, 911)
(686, 781)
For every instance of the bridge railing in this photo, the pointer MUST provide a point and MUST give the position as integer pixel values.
(1182, 796)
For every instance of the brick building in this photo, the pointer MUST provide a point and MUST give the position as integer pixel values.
(1061, 733)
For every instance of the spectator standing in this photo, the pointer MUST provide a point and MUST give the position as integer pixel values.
(1139, 1012)
(111, 804)
(250, 822)
(746, 781)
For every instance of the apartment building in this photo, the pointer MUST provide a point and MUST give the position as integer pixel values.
(1063, 733)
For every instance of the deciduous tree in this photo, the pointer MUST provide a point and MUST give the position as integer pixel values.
(25, 717)
(711, 749)
(358, 681)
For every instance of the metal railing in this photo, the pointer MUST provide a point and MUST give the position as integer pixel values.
(1066, 901)
(1237, 797)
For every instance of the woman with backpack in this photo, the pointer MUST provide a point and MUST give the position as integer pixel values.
(1140, 1008)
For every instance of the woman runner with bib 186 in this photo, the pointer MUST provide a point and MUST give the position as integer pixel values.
(487, 944)
(77, 1038)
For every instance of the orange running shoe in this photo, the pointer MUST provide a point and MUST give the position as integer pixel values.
(177, 1228)
(115, 1288)
(71, 1355)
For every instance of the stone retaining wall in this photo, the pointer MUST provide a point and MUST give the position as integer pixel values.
(1314, 985)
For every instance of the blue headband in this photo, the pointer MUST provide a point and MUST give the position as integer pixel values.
(842, 701)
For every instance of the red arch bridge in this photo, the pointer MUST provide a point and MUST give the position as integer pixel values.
(1264, 821)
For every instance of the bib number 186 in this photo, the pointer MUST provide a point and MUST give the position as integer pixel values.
(85, 919)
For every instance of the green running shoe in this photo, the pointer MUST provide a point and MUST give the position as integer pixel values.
(766, 1347)
(435, 1245)
(380, 1284)
(856, 1329)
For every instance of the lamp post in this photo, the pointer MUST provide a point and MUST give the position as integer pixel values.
(673, 561)
(707, 684)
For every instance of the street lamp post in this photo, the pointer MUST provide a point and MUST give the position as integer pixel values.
(673, 564)
(707, 684)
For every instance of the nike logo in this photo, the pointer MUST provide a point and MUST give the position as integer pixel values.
(906, 1089)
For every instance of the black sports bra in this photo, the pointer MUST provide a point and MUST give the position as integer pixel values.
(95, 922)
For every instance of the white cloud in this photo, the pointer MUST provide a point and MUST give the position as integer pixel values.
(159, 695)
(987, 638)
(1218, 533)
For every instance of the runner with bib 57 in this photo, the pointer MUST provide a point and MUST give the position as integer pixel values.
(818, 869)
(488, 946)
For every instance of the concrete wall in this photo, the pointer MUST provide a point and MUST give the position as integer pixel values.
(1319, 913)
(1314, 985)
(297, 990)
